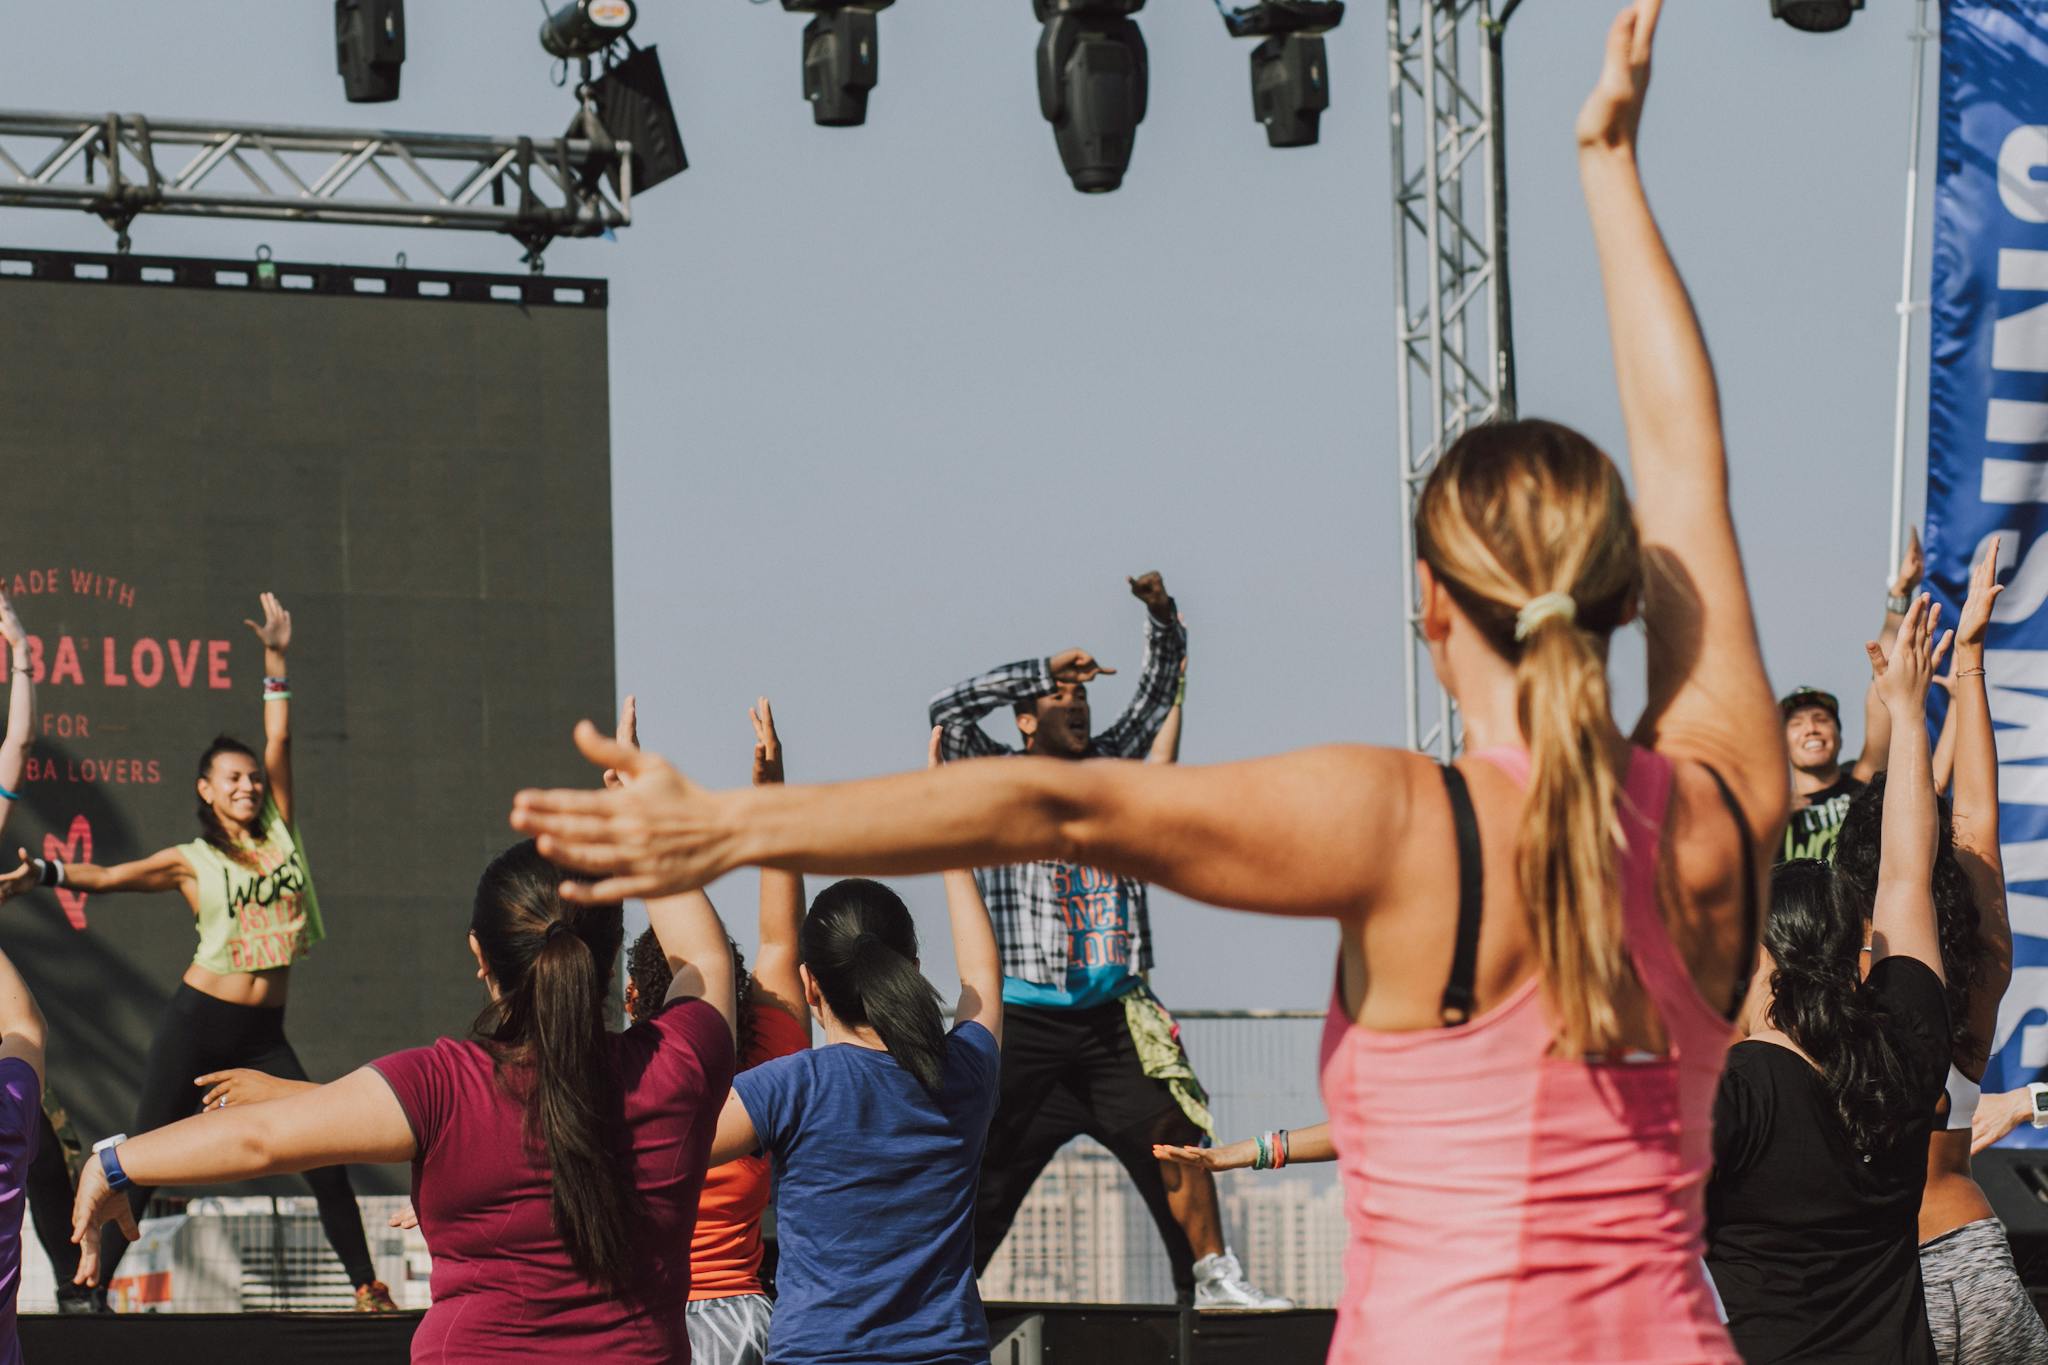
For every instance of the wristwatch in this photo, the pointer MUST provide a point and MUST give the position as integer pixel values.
(2038, 1094)
(110, 1165)
(1898, 603)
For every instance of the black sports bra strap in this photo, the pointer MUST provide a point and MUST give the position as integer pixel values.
(1458, 997)
(1745, 962)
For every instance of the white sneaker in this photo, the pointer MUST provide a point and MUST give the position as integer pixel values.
(1220, 1285)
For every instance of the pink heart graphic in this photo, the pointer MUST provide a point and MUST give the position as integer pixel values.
(76, 849)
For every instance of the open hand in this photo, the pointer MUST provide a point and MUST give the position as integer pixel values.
(1913, 567)
(240, 1085)
(20, 881)
(627, 734)
(1227, 1158)
(276, 629)
(1612, 114)
(1903, 675)
(406, 1218)
(1984, 589)
(1998, 1115)
(652, 835)
(767, 744)
(1077, 666)
(10, 625)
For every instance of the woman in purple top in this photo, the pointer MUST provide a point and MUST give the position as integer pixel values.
(556, 1166)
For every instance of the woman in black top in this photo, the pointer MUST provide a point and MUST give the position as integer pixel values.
(1820, 1129)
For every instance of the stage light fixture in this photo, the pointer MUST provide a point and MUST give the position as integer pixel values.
(1092, 85)
(1815, 16)
(842, 47)
(629, 103)
(369, 43)
(1291, 68)
(584, 28)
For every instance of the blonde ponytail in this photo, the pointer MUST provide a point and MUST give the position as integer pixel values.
(1527, 525)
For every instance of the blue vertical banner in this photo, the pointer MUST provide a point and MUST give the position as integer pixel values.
(1987, 443)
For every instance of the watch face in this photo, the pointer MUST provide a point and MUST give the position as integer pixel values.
(2040, 1103)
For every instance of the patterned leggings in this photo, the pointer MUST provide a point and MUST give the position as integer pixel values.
(1976, 1305)
(729, 1331)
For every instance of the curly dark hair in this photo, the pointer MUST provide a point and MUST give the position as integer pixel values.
(1859, 848)
(647, 968)
(1819, 998)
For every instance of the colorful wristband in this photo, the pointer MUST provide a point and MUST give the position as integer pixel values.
(268, 695)
(117, 1179)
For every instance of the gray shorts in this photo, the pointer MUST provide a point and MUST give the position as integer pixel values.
(1977, 1307)
(734, 1330)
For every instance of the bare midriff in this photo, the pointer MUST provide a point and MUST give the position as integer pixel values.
(1952, 1198)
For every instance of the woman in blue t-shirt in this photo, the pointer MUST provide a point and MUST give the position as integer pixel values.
(877, 1136)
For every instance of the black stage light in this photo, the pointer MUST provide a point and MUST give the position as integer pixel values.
(841, 51)
(1092, 78)
(1291, 69)
(584, 28)
(631, 101)
(1815, 16)
(369, 42)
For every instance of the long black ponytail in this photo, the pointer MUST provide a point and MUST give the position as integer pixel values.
(1818, 998)
(861, 947)
(552, 963)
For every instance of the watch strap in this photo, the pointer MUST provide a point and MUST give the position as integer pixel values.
(2037, 1093)
(110, 1164)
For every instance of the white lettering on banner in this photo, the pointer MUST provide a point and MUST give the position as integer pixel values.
(2029, 914)
(2027, 589)
(2023, 997)
(2020, 342)
(2020, 160)
(2014, 422)
(2027, 715)
(2025, 861)
(2012, 481)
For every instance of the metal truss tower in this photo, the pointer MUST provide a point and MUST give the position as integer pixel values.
(120, 166)
(1454, 360)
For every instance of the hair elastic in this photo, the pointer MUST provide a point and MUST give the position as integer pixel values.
(1541, 608)
(555, 927)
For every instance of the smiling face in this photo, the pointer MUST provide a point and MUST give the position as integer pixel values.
(233, 787)
(1814, 737)
(1056, 726)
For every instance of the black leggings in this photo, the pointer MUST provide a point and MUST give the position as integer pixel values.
(200, 1034)
(49, 1186)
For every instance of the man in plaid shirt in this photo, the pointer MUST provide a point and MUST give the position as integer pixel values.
(1086, 1047)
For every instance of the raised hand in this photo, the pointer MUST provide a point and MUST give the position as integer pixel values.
(935, 753)
(240, 1085)
(1903, 675)
(1077, 666)
(10, 625)
(635, 824)
(767, 744)
(1150, 589)
(1913, 567)
(20, 881)
(628, 734)
(276, 629)
(1612, 114)
(1984, 589)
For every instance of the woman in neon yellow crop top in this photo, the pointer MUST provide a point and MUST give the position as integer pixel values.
(251, 892)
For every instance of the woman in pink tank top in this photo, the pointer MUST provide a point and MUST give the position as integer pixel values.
(1537, 947)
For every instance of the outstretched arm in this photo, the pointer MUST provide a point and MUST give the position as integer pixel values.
(21, 708)
(1301, 1144)
(275, 633)
(1877, 723)
(165, 870)
(1166, 744)
(958, 710)
(1974, 820)
(1708, 697)
(1902, 920)
(356, 1118)
(1166, 648)
(776, 981)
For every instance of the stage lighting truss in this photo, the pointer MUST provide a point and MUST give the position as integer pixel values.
(1453, 359)
(121, 166)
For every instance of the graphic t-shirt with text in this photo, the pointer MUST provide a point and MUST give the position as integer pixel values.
(258, 911)
(1097, 909)
(1817, 824)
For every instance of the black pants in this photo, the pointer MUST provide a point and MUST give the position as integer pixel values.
(200, 1034)
(1069, 1073)
(49, 1189)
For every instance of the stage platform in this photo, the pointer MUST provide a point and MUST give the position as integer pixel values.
(1070, 1334)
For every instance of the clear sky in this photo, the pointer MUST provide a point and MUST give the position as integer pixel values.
(893, 404)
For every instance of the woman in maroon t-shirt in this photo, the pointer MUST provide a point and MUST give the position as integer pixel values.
(556, 1166)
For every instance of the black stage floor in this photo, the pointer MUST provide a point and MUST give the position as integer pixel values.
(1065, 1333)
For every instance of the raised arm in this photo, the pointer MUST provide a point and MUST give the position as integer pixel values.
(356, 1118)
(164, 870)
(1877, 724)
(1708, 697)
(975, 955)
(776, 981)
(958, 710)
(1902, 922)
(21, 708)
(1166, 647)
(22, 1030)
(1974, 819)
(1166, 744)
(275, 634)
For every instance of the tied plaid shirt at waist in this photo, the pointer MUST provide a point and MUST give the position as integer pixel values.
(1026, 900)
